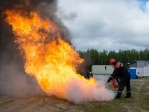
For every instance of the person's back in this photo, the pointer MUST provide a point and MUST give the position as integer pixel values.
(122, 71)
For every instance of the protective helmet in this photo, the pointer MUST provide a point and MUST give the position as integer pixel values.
(112, 61)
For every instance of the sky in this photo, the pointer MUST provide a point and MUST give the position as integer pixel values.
(106, 24)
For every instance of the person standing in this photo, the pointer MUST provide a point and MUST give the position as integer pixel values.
(121, 72)
(89, 74)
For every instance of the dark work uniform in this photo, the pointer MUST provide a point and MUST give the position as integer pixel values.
(122, 73)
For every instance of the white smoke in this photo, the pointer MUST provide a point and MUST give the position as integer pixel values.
(77, 93)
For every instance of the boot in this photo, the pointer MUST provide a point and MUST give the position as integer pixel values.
(118, 96)
(128, 95)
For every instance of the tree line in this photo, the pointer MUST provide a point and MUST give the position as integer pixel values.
(95, 57)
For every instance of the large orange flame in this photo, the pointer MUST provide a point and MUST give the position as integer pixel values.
(47, 57)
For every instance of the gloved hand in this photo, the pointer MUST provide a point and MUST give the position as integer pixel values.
(110, 78)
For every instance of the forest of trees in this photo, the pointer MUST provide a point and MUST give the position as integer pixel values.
(95, 57)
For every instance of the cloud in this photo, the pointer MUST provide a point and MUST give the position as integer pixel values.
(106, 25)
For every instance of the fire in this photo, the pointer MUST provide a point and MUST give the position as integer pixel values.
(48, 58)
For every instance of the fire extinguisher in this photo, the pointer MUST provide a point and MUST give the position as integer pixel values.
(115, 85)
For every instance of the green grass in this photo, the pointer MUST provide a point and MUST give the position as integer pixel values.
(138, 103)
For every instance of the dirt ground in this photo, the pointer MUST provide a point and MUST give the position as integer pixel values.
(137, 103)
(37, 104)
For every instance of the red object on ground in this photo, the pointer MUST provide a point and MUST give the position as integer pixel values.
(115, 85)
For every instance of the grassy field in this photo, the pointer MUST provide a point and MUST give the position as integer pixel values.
(138, 103)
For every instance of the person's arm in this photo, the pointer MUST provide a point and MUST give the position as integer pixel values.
(114, 74)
